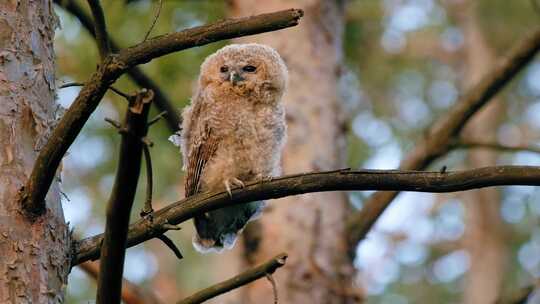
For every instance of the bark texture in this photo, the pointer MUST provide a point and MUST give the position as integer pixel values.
(34, 259)
(310, 230)
(484, 235)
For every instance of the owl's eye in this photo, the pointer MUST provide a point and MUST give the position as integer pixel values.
(224, 69)
(249, 68)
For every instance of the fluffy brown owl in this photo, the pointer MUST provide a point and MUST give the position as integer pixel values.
(233, 132)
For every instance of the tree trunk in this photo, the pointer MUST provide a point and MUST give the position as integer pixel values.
(310, 228)
(34, 255)
(484, 237)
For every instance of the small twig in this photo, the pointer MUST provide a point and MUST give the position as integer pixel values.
(147, 209)
(146, 141)
(129, 97)
(471, 144)
(157, 118)
(71, 84)
(167, 241)
(100, 27)
(154, 21)
(65, 195)
(242, 279)
(274, 287)
(114, 123)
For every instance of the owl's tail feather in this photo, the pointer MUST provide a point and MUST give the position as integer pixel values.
(217, 230)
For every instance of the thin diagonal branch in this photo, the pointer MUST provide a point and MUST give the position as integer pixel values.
(156, 118)
(240, 280)
(80, 84)
(121, 200)
(32, 195)
(169, 243)
(161, 101)
(341, 180)
(131, 293)
(100, 28)
(156, 17)
(444, 130)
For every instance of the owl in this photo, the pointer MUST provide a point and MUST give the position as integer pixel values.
(233, 132)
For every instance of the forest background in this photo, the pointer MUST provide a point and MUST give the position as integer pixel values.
(405, 62)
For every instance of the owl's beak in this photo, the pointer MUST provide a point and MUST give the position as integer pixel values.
(234, 78)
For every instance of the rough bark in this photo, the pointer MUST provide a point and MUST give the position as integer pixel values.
(34, 259)
(309, 229)
(484, 235)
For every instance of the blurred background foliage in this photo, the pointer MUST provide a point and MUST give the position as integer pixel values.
(402, 69)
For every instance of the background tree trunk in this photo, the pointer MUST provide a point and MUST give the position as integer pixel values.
(484, 236)
(35, 255)
(310, 228)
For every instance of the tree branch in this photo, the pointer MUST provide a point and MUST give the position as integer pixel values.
(341, 180)
(32, 195)
(472, 144)
(169, 243)
(100, 28)
(161, 101)
(156, 17)
(441, 133)
(131, 293)
(80, 84)
(147, 208)
(121, 200)
(201, 35)
(242, 279)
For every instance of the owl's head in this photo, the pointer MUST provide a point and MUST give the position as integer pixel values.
(246, 69)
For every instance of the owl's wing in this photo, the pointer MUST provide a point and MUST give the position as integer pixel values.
(201, 153)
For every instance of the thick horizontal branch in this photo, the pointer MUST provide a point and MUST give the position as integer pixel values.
(342, 180)
(32, 195)
(161, 101)
(440, 135)
(240, 280)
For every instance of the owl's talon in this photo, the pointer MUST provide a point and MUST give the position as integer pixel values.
(234, 182)
(228, 188)
(238, 182)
